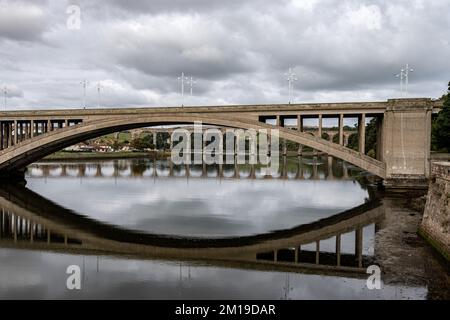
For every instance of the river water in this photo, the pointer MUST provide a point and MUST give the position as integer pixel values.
(149, 230)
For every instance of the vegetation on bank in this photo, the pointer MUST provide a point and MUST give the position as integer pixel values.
(440, 134)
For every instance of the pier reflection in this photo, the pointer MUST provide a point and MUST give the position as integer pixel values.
(320, 167)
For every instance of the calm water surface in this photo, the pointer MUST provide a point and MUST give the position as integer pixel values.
(93, 208)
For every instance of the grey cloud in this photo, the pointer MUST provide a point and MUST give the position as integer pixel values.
(22, 21)
(158, 6)
(238, 51)
(12, 91)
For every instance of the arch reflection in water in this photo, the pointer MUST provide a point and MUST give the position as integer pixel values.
(27, 220)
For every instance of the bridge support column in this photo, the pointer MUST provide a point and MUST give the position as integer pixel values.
(1, 135)
(10, 132)
(299, 123)
(32, 128)
(15, 132)
(362, 133)
(341, 129)
(320, 126)
(20, 132)
(405, 143)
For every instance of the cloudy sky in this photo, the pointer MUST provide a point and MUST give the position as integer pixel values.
(238, 51)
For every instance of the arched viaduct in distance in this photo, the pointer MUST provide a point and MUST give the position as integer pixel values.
(404, 131)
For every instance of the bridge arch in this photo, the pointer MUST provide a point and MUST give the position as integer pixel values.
(31, 150)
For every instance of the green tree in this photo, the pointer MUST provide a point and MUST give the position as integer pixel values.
(353, 141)
(440, 134)
(142, 143)
(371, 137)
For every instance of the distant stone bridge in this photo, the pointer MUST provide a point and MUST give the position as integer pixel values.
(404, 131)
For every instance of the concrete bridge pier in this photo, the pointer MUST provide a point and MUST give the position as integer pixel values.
(405, 138)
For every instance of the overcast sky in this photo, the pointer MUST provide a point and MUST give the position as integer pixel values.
(238, 51)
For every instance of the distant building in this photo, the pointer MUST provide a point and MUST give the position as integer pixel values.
(103, 148)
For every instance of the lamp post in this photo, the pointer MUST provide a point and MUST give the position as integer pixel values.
(84, 84)
(404, 79)
(99, 88)
(407, 71)
(291, 77)
(183, 78)
(191, 82)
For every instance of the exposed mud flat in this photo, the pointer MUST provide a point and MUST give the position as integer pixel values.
(404, 257)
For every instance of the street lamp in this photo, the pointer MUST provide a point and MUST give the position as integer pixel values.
(404, 79)
(183, 79)
(191, 82)
(407, 71)
(84, 84)
(99, 88)
(291, 77)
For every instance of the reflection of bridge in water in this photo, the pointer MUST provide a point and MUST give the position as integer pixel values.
(29, 221)
(317, 167)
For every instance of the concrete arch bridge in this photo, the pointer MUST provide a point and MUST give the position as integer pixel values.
(404, 130)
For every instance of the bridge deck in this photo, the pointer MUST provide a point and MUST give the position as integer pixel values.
(325, 108)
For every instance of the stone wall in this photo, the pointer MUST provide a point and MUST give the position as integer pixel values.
(436, 219)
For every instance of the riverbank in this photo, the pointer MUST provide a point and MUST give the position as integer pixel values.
(71, 155)
(404, 256)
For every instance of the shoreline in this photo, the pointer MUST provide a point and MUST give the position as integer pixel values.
(70, 156)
